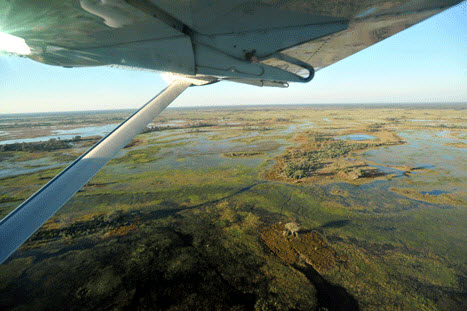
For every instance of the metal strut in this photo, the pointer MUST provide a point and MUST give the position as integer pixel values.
(21, 223)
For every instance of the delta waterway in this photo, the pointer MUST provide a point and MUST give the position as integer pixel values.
(192, 205)
(424, 150)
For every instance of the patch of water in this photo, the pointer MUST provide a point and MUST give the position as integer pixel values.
(8, 169)
(418, 137)
(424, 167)
(295, 127)
(434, 192)
(371, 152)
(388, 170)
(443, 133)
(87, 131)
(67, 134)
(425, 151)
(357, 137)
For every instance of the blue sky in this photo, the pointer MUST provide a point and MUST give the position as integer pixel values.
(426, 63)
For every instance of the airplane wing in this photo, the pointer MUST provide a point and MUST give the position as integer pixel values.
(262, 42)
(274, 40)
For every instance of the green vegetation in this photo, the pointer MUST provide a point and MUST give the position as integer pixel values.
(190, 125)
(444, 198)
(194, 220)
(243, 154)
(321, 155)
(50, 145)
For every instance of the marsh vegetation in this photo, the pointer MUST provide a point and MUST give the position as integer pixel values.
(191, 215)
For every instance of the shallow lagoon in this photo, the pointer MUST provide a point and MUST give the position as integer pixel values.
(428, 152)
(357, 137)
(67, 134)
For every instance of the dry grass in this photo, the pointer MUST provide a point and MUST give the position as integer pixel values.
(308, 246)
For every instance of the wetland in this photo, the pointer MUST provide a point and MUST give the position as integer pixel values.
(192, 214)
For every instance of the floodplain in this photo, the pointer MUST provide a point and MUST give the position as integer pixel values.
(193, 213)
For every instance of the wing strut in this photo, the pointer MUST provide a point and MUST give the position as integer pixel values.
(21, 223)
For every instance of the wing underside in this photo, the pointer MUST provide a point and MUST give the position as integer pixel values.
(240, 40)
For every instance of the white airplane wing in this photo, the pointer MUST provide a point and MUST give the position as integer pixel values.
(236, 39)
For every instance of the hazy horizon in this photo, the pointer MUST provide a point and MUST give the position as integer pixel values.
(438, 105)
